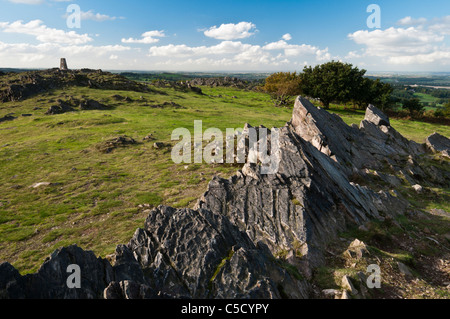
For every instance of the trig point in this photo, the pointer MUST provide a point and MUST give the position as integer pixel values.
(63, 64)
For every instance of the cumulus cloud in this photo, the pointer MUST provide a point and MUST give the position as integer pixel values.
(237, 53)
(231, 31)
(182, 50)
(43, 33)
(396, 41)
(48, 54)
(440, 25)
(291, 49)
(421, 43)
(286, 37)
(147, 37)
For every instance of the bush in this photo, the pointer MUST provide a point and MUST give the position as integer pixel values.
(282, 86)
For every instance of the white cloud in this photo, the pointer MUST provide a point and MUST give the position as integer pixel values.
(291, 49)
(237, 54)
(147, 37)
(408, 21)
(27, 1)
(397, 41)
(90, 15)
(422, 43)
(43, 33)
(182, 50)
(231, 31)
(286, 37)
(48, 54)
(440, 25)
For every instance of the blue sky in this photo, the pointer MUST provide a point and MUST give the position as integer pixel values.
(226, 35)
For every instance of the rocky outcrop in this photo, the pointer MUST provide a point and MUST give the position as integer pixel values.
(439, 143)
(71, 105)
(21, 86)
(311, 198)
(201, 254)
(50, 282)
(253, 235)
(111, 144)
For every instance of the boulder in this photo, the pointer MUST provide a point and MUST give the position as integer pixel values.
(418, 188)
(438, 143)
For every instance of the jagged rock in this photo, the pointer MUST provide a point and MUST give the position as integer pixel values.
(263, 205)
(330, 293)
(199, 254)
(345, 295)
(128, 290)
(418, 188)
(375, 116)
(357, 249)
(439, 143)
(50, 282)
(61, 107)
(348, 285)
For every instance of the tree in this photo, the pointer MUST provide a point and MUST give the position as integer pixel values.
(332, 81)
(282, 86)
(374, 92)
(413, 106)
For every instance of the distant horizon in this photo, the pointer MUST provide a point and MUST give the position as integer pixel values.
(444, 73)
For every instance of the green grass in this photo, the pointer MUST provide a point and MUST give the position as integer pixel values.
(427, 98)
(94, 197)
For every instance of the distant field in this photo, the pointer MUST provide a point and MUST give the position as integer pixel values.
(93, 199)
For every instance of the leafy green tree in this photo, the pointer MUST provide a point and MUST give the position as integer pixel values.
(282, 86)
(413, 106)
(332, 82)
(374, 92)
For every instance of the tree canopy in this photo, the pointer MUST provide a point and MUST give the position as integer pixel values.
(332, 82)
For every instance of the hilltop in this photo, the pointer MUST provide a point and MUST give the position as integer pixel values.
(92, 177)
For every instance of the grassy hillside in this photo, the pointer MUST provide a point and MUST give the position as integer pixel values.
(97, 199)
